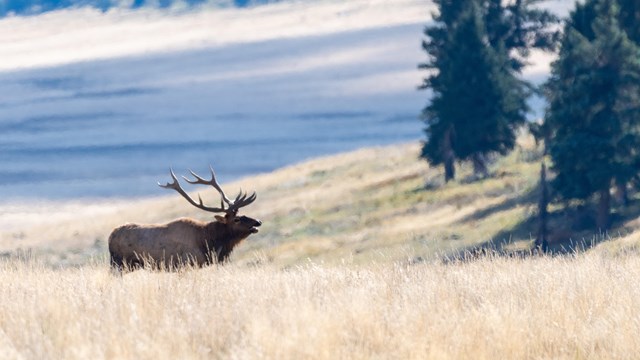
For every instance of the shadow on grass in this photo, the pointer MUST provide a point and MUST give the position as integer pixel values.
(570, 231)
(528, 198)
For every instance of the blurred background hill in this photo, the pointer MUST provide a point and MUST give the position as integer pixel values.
(34, 7)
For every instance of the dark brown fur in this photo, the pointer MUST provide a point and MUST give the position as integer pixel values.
(180, 242)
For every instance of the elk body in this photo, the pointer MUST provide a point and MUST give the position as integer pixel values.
(184, 241)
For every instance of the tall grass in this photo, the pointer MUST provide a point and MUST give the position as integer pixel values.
(564, 307)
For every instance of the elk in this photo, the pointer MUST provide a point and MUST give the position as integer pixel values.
(185, 241)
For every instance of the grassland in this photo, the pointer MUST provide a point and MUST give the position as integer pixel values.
(350, 263)
(561, 308)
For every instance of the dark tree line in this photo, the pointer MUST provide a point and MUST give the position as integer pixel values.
(477, 50)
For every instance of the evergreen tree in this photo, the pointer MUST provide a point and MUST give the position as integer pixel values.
(478, 104)
(582, 19)
(471, 114)
(593, 96)
(438, 149)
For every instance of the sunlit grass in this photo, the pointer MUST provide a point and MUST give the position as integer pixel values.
(565, 307)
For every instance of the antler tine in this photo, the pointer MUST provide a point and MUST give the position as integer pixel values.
(213, 182)
(170, 185)
(217, 186)
(242, 200)
(198, 179)
(252, 198)
(175, 185)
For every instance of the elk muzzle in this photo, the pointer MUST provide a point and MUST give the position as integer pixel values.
(256, 225)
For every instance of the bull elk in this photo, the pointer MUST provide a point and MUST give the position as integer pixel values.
(184, 241)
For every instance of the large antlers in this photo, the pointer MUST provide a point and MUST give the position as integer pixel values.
(232, 206)
(213, 182)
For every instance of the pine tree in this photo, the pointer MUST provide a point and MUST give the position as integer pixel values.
(485, 103)
(473, 115)
(593, 94)
(440, 132)
(582, 19)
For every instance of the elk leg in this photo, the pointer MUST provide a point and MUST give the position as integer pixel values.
(116, 262)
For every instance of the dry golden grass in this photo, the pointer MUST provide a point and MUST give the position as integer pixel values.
(581, 307)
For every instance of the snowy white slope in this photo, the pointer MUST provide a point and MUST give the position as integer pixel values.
(96, 105)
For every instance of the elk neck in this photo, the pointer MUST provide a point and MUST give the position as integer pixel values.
(221, 239)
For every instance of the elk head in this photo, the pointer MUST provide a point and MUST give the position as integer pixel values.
(229, 208)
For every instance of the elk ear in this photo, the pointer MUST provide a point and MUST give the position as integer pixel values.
(221, 219)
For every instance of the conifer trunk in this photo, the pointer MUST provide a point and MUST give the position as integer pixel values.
(449, 156)
(622, 194)
(479, 166)
(604, 206)
(449, 168)
(541, 243)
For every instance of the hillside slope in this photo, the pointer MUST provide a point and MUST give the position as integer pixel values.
(376, 204)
